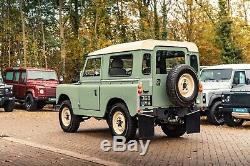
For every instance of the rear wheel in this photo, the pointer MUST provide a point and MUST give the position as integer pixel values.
(121, 123)
(173, 130)
(68, 121)
(9, 106)
(231, 121)
(30, 103)
(215, 115)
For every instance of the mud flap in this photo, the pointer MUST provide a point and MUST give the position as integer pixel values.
(192, 121)
(146, 127)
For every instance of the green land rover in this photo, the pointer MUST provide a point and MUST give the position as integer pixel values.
(135, 85)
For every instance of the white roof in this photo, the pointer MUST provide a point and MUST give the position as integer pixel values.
(149, 44)
(229, 66)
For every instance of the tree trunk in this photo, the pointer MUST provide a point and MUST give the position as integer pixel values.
(62, 40)
(23, 34)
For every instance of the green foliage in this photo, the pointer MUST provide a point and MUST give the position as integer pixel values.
(230, 53)
(89, 25)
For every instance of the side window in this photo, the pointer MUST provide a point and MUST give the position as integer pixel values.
(121, 65)
(194, 62)
(146, 64)
(9, 76)
(17, 75)
(93, 67)
(239, 77)
(23, 77)
(248, 76)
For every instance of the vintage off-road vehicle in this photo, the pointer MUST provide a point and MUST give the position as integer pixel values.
(7, 100)
(135, 85)
(217, 80)
(235, 104)
(32, 86)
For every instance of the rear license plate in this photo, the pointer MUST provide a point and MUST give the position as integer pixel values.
(240, 110)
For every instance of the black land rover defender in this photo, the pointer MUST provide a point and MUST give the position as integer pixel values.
(7, 101)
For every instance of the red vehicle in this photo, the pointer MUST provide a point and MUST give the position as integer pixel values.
(32, 86)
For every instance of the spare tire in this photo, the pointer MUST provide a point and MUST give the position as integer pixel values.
(182, 85)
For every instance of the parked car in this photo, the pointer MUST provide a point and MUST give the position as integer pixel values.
(236, 106)
(7, 101)
(135, 85)
(217, 80)
(32, 86)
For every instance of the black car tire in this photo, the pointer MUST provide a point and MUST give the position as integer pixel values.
(9, 105)
(68, 121)
(119, 115)
(182, 85)
(40, 104)
(173, 131)
(215, 116)
(30, 103)
(231, 121)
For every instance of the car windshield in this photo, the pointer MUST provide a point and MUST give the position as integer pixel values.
(43, 75)
(216, 74)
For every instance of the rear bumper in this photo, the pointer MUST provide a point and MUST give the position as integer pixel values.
(148, 119)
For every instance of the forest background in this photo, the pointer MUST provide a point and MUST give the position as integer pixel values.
(58, 34)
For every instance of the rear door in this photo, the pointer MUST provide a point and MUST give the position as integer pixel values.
(164, 59)
(22, 85)
(16, 87)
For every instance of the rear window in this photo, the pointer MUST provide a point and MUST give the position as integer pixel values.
(17, 75)
(9, 75)
(166, 60)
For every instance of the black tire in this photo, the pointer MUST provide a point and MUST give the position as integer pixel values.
(30, 103)
(74, 121)
(215, 116)
(130, 122)
(173, 91)
(173, 131)
(231, 121)
(40, 105)
(9, 105)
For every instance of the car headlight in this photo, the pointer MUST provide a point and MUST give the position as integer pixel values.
(7, 90)
(41, 91)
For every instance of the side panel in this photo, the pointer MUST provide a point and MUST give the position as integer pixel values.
(125, 90)
(71, 90)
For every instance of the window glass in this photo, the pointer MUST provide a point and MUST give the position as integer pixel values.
(42, 75)
(166, 60)
(216, 75)
(121, 65)
(9, 75)
(93, 67)
(23, 77)
(146, 64)
(194, 62)
(17, 74)
(239, 77)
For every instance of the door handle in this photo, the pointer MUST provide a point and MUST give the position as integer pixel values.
(95, 92)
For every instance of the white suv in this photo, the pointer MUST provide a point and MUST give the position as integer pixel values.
(217, 80)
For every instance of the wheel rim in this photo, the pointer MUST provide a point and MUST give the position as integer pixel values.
(118, 122)
(186, 85)
(66, 116)
(28, 102)
(219, 116)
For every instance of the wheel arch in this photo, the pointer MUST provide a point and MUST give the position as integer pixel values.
(111, 102)
(62, 97)
(214, 99)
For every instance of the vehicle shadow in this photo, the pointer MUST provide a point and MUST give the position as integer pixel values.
(96, 132)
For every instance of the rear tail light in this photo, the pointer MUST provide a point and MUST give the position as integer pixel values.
(139, 88)
(200, 87)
